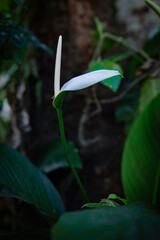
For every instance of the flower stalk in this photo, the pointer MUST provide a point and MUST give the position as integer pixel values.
(63, 138)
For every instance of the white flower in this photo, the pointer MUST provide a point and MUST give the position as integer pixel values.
(76, 83)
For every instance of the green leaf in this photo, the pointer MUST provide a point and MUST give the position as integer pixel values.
(114, 196)
(100, 25)
(105, 203)
(105, 64)
(152, 46)
(141, 157)
(21, 179)
(112, 82)
(128, 222)
(54, 158)
(149, 90)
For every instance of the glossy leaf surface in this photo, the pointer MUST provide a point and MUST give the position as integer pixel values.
(150, 89)
(128, 222)
(19, 178)
(141, 157)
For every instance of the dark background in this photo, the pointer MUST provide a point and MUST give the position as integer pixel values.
(103, 136)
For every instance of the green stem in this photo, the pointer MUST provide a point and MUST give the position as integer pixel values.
(154, 6)
(61, 125)
(124, 43)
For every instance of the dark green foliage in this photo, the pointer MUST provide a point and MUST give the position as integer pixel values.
(53, 157)
(149, 90)
(97, 35)
(14, 39)
(19, 178)
(152, 46)
(141, 157)
(105, 203)
(111, 201)
(128, 222)
(115, 197)
(107, 43)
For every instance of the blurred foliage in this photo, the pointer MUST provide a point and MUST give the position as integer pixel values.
(149, 90)
(15, 42)
(111, 201)
(15, 39)
(134, 221)
(139, 62)
(20, 179)
(52, 157)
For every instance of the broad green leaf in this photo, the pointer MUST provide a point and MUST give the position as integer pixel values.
(149, 90)
(128, 222)
(141, 157)
(21, 179)
(54, 158)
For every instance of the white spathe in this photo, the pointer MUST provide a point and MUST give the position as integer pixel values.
(88, 79)
(79, 82)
